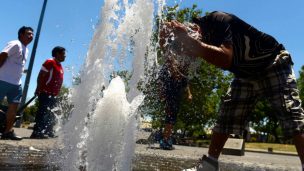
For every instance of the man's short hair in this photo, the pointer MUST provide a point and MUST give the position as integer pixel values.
(57, 49)
(23, 29)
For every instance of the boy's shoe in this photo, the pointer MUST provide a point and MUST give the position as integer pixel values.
(166, 144)
(38, 136)
(52, 135)
(10, 136)
(205, 164)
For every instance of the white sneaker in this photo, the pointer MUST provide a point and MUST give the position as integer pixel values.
(205, 164)
(191, 169)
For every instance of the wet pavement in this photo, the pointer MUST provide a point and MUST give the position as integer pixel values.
(33, 153)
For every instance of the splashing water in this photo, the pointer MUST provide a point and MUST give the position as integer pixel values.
(100, 132)
(113, 125)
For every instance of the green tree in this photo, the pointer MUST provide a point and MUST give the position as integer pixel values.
(29, 112)
(263, 120)
(300, 83)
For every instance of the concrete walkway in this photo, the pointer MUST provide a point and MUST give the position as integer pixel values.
(258, 160)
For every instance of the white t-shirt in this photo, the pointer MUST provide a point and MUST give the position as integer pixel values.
(12, 69)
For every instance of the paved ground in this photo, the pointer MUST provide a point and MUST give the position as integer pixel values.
(254, 159)
(251, 161)
(26, 142)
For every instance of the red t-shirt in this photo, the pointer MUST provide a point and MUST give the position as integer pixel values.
(53, 82)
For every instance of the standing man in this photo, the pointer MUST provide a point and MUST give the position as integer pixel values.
(12, 61)
(262, 69)
(49, 83)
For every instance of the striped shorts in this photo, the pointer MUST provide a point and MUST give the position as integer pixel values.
(277, 85)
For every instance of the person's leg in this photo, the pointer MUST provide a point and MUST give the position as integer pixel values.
(3, 109)
(291, 114)
(171, 109)
(50, 125)
(281, 88)
(171, 112)
(50, 118)
(10, 117)
(37, 121)
(233, 118)
(46, 110)
(299, 143)
(174, 96)
(167, 131)
(14, 95)
(39, 126)
(166, 141)
(3, 90)
(233, 115)
(218, 141)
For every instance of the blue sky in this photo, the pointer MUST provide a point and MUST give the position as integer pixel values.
(70, 23)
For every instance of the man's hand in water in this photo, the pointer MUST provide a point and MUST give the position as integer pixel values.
(169, 31)
(174, 34)
(179, 30)
(164, 35)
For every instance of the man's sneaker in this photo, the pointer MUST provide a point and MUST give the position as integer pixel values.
(38, 136)
(52, 135)
(10, 136)
(205, 164)
(166, 144)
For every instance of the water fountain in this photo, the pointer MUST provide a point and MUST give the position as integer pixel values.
(100, 132)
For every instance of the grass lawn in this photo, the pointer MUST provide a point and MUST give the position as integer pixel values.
(276, 147)
(262, 146)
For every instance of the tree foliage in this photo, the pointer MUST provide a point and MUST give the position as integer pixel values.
(300, 83)
(264, 121)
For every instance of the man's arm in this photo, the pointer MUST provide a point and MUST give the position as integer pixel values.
(3, 57)
(41, 80)
(219, 56)
(189, 94)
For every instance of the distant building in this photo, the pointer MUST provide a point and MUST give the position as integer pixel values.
(145, 124)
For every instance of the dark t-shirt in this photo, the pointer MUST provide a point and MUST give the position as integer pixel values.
(253, 50)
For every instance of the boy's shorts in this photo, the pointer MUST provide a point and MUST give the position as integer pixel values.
(277, 85)
(12, 92)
